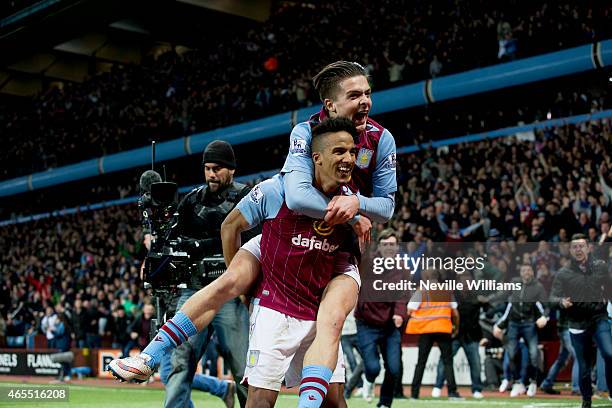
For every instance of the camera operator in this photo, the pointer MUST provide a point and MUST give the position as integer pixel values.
(200, 215)
(221, 388)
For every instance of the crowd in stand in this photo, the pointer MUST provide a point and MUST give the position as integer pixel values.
(86, 263)
(75, 279)
(415, 126)
(268, 70)
(543, 186)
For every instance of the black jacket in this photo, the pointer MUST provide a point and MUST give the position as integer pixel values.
(526, 305)
(588, 290)
(469, 317)
(201, 213)
(80, 324)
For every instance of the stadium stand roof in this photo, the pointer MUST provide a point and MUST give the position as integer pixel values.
(68, 40)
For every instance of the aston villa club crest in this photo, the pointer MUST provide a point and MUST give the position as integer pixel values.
(253, 358)
(364, 157)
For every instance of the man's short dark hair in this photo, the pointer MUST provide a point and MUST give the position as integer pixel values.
(578, 237)
(333, 125)
(326, 82)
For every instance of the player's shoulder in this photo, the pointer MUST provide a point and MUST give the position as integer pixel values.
(270, 188)
(374, 127)
(302, 130)
(378, 133)
(300, 139)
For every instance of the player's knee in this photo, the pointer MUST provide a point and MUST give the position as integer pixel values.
(331, 322)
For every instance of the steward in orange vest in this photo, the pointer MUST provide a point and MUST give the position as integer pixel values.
(433, 316)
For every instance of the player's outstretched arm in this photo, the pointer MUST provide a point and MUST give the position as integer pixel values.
(303, 197)
(298, 172)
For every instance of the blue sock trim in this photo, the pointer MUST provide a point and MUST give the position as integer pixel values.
(184, 322)
(317, 371)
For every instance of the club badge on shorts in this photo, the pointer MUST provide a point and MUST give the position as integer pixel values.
(253, 358)
(364, 157)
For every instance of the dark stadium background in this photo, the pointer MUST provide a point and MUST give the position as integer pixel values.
(84, 79)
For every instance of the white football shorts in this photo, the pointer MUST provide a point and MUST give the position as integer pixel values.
(277, 344)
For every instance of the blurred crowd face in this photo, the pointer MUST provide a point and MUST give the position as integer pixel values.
(353, 100)
(579, 250)
(59, 308)
(526, 273)
(148, 311)
(388, 247)
(217, 177)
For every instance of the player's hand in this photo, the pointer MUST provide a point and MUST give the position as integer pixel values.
(398, 321)
(541, 322)
(134, 335)
(498, 333)
(363, 228)
(566, 303)
(341, 209)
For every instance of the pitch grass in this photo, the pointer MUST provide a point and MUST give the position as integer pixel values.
(94, 397)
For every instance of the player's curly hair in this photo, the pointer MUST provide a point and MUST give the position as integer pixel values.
(327, 80)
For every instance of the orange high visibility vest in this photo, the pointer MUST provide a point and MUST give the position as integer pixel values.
(431, 317)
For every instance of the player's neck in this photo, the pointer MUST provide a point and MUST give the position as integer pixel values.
(327, 188)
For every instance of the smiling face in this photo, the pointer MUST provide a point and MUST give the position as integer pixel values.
(334, 160)
(352, 100)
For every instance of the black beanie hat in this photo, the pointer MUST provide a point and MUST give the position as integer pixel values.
(220, 152)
